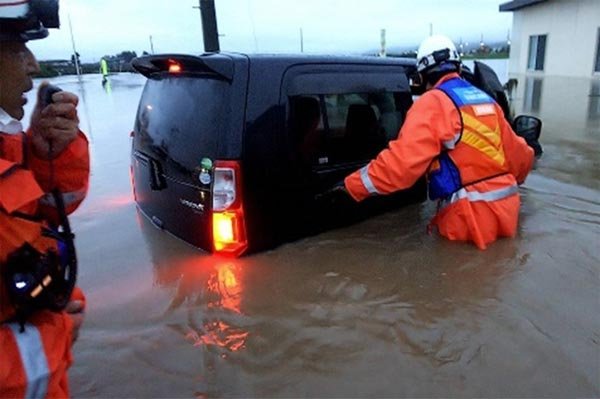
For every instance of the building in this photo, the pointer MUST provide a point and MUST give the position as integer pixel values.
(555, 37)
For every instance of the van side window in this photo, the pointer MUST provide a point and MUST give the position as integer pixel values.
(330, 129)
(306, 128)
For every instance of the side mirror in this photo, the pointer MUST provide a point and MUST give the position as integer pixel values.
(530, 128)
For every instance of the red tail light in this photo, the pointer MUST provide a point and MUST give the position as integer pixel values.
(174, 66)
(229, 230)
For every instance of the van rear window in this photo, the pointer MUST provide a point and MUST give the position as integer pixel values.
(330, 129)
(183, 116)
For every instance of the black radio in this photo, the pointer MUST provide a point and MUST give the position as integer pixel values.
(37, 281)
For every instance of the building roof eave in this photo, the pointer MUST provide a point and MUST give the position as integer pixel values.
(516, 5)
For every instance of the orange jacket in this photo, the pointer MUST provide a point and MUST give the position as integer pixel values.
(433, 122)
(34, 363)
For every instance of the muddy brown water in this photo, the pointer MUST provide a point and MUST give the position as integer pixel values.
(376, 309)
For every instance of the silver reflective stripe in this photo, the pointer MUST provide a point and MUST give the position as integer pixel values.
(68, 198)
(450, 144)
(366, 180)
(474, 196)
(34, 359)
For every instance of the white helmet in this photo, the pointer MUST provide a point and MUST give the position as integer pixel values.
(27, 20)
(436, 50)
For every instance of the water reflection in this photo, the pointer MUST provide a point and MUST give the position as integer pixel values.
(107, 85)
(209, 289)
(570, 112)
(569, 107)
(594, 106)
(533, 94)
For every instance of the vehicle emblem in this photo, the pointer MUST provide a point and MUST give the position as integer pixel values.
(192, 205)
(205, 170)
(204, 177)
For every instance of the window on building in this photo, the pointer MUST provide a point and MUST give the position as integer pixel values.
(597, 68)
(537, 52)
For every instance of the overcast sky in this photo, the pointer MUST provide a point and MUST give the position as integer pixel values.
(107, 27)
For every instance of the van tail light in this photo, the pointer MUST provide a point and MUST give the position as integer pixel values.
(228, 225)
(174, 67)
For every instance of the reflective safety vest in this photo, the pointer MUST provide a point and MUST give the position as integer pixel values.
(34, 363)
(475, 153)
(103, 67)
(25, 208)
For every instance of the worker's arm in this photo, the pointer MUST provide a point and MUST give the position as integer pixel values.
(431, 121)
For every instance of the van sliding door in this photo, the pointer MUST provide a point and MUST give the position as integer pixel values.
(338, 122)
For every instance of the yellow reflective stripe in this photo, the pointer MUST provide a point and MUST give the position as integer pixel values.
(33, 358)
(480, 137)
(493, 136)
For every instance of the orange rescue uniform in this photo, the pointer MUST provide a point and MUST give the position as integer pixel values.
(490, 157)
(34, 363)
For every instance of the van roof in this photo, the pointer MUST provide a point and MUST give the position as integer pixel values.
(150, 64)
(322, 58)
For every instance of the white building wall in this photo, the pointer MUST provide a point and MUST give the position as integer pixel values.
(572, 29)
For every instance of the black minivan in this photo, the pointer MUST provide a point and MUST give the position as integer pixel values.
(232, 152)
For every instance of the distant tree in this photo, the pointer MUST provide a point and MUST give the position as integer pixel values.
(126, 56)
(47, 71)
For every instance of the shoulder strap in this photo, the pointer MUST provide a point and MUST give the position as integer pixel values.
(446, 88)
(463, 93)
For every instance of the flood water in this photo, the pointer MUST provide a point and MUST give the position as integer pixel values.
(376, 309)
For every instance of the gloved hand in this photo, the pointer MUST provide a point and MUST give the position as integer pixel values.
(333, 191)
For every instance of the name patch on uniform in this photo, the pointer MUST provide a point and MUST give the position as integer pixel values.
(471, 95)
(484, 109)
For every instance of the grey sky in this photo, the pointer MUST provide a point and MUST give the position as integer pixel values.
(103, 27)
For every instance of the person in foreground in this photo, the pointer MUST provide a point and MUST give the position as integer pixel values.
(458, 136)
(43, 176)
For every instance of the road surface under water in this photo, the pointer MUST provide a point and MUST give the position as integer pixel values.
(376, 309)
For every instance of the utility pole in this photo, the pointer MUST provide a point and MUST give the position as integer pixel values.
(382, 51)
(430, 29)
(301, 41)
(208, 17)
(151, 45)
(75, 57)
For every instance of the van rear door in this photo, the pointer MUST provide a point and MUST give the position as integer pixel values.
(190, 114)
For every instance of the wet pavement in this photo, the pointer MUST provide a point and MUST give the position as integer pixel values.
(376, 309)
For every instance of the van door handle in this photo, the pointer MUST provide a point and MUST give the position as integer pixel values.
(157, 177)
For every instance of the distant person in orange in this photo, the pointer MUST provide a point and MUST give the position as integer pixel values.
(40, 313)
(458, 136)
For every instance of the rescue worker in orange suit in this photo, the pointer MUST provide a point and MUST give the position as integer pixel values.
(458, 136)
(52, 154)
